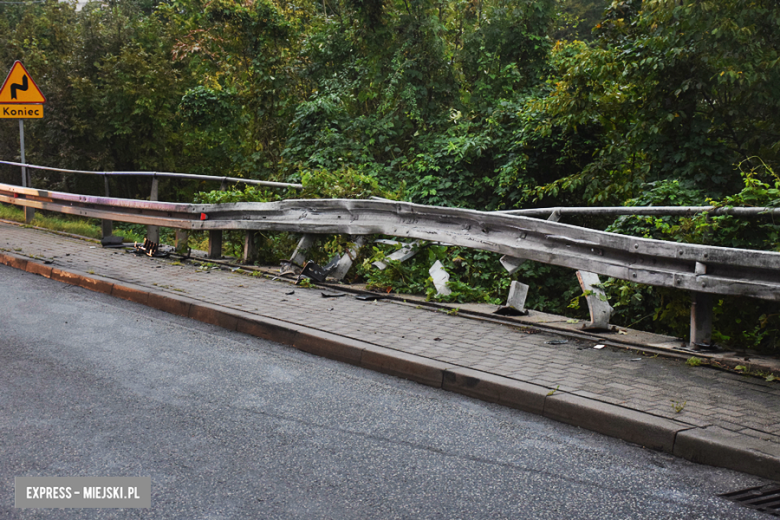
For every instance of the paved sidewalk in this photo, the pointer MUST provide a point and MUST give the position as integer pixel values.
(702, 414)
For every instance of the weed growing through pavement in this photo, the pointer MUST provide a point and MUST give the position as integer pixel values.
(678, 406)
(551, 392)
(746, 371)
(693, 361)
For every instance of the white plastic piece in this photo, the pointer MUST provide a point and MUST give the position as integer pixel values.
(517, 295)
(440, 278)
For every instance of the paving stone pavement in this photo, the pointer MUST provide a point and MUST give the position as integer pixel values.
(654, 385)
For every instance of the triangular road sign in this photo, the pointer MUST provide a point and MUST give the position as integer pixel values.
(19, 87)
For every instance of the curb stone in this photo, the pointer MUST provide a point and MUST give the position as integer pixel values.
(706, 445)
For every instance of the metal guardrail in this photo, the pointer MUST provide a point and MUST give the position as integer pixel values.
(698, 268)
(161, 175)
(681, 211)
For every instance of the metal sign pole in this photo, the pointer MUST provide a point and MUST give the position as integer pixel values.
(21, 140)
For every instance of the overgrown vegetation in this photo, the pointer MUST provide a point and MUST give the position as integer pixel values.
(486, 104)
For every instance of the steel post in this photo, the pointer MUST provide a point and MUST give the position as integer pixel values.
(153, 232)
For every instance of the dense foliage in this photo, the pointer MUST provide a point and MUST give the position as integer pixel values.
(487, 104)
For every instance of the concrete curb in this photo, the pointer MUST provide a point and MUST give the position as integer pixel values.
(706, 445)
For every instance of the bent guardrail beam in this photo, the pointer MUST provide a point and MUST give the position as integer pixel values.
(692, 267)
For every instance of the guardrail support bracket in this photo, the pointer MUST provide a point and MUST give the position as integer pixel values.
(701, 320)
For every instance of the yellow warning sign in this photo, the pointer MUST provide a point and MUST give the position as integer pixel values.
(20, 88)
(21, 111)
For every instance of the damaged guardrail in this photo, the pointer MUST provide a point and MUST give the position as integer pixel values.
(703, 270)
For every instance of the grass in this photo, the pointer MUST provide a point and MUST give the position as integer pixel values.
(87, 227)
(75, 226)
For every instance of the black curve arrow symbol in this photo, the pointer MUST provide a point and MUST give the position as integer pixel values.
(16, 86)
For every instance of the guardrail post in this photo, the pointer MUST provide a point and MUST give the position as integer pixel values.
(29, 213)
(182, 241)
(342, 267)
(299, 256)
(701, 320)
(250, 251)
(599, 307)
(153, 232)
(215, 235)
(107, 226)
(215, 244)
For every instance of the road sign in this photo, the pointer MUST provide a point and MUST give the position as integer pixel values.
(20, 98)
(19, 88)
(21, 111)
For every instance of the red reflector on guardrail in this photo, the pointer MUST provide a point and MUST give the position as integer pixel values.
(203, 216)
(16, 195)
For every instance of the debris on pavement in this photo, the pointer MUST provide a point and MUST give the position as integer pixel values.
(506, 310)
(599, 347)
(557, 342)
(333, 295)
(371, 297)
(150, 249)
(313, 271)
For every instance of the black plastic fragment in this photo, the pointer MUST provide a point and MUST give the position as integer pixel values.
(313, 271)
(333, 295)
(371, 297)
(506, 310)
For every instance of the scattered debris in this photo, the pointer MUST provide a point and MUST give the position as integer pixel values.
(436, 339)
(333, 295)
(313, 271)
(440, 278)
(557, 342)
(150, 249)
(290, 293)
(371, 297)
(599, 347)
(509, 311)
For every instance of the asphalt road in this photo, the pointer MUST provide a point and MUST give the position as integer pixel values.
(230, 426)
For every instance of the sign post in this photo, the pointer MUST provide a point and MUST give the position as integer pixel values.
(20, 98)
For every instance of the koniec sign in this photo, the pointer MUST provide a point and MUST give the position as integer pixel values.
(20, 98)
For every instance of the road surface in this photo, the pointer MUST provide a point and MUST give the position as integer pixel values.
(230, 426)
